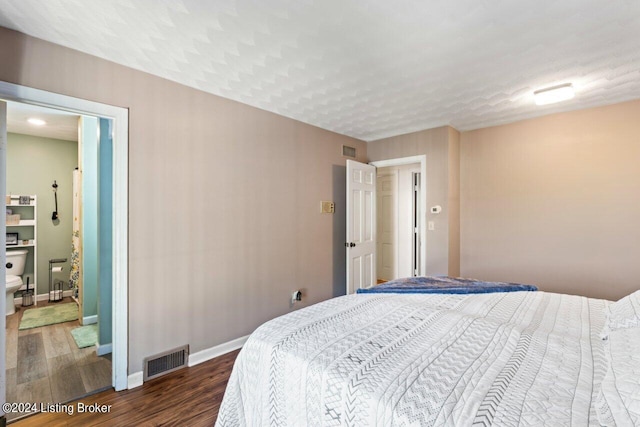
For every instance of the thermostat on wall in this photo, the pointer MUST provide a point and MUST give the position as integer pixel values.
(436, 209)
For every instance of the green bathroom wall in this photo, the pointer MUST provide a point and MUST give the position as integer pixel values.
(90, 232)
(33, 163)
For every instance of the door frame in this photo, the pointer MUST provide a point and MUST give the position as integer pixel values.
(3, 261)
(422, 160)
(120, 284)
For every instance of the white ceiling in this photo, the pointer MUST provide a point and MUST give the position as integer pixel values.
(367, 69)
(59, 124)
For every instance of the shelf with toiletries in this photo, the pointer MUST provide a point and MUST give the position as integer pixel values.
(16, 203)
(22, 230)
(21, 211)
(18, 200)
(21, 244)
(21, 214)
(23, 223)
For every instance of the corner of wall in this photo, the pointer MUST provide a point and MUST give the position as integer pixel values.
(441, 146)
(454, 201)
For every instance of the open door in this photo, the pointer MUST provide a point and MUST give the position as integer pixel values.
(361, 226)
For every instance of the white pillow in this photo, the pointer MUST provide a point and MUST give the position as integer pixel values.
(625, 313)
(619, 397)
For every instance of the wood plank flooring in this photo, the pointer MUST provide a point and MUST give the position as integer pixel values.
(45, 364)
(188, 397)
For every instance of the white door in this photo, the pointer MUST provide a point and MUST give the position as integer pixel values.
(387, 220)
(361, 226)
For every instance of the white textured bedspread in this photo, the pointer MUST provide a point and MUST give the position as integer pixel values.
(504, 359)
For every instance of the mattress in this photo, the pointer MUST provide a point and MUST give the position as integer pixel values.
(503, 359)
(444, 285)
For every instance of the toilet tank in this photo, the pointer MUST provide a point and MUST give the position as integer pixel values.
(15, 262)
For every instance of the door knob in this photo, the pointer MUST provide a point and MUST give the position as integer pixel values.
(351, 245)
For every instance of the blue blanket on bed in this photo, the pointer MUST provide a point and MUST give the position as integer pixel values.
(444, 285)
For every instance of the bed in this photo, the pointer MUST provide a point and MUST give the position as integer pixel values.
(502, 359)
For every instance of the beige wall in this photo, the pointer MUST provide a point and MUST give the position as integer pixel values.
(555, 201)
(224, 200)
(439, 145)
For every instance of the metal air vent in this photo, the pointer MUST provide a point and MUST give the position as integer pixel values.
(163, 363)
(348, 151)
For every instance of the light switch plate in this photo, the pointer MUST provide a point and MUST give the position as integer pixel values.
(327, 207)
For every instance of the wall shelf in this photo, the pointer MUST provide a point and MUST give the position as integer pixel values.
(16, 204)
(24, 222)
(31, 246)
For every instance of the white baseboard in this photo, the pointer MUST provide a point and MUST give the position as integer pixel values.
(218, 350)
(102, 349)
(43, 297)
(135, 380)
(89, 320)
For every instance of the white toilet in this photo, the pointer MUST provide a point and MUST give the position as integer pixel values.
(15, 267)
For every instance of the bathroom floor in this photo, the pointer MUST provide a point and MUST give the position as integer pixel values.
(45, 364)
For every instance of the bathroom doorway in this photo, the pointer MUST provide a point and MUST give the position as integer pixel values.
(53, 157)
(116, 125)
(398, 221)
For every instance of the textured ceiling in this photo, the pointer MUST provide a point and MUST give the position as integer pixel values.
(367, 69)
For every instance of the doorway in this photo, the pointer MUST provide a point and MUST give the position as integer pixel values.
(361, 220)
(58, 328)
(119, 116)
(398, 222)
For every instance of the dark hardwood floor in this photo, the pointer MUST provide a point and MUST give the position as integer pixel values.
(188, 397)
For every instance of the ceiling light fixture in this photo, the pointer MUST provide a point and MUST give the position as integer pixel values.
(36, 122)
(554, 94)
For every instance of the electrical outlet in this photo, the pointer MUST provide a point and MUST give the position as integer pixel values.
(296, 296)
